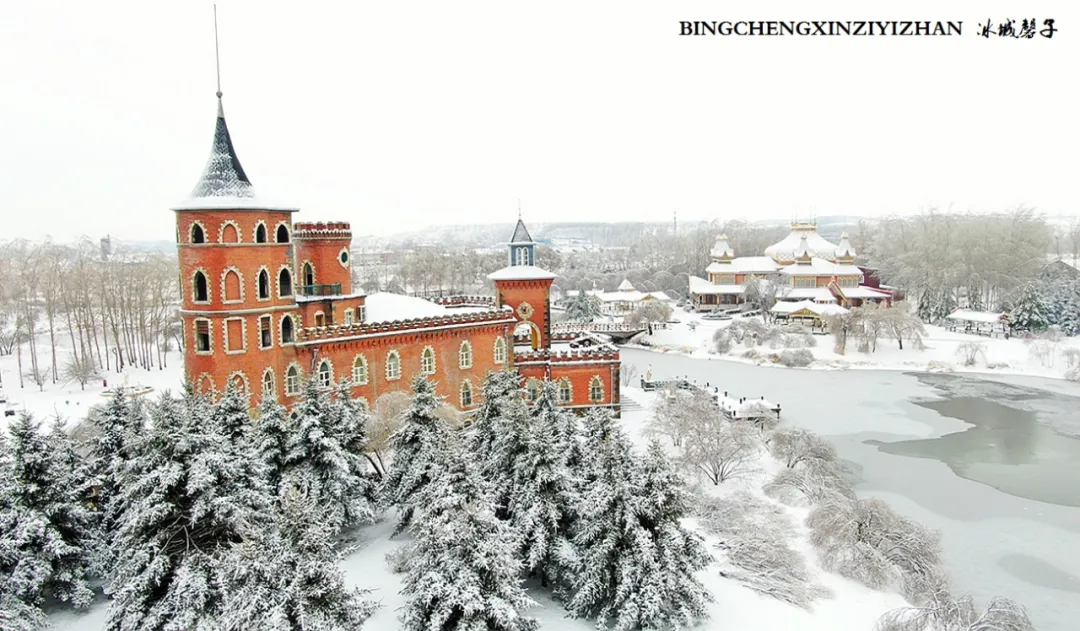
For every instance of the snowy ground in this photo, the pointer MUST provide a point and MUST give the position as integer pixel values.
(1006, 357)
(852, 607)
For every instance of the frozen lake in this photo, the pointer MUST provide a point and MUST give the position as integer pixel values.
(993, 463)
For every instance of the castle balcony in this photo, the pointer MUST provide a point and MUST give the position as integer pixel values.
(320, 290)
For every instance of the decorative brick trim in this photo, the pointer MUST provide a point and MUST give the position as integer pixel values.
(224, 274)
(243, 335)
(272, 393)
(500, 349)
(596, 381)
(465, 354)
(314, 273)
(269, 284)
(295, 317)
(239, 373)
(532, 386)
(209, 292)
(393, 354)
(299, 379)
(255, 232)
(366, 374)
(288, 231)
(292, 282)
(202, 378)
(348, 257)
(326, 361)
(191, 233)
(428, 351)
(569, 388)
(466, 386)
(221, 232)
(258, 331)
(195, 335)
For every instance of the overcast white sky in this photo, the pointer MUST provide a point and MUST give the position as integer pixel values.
(397, 114)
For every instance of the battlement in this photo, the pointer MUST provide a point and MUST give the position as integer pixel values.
(322, 230)
(578, 355)
(465, 301)
(309, 335)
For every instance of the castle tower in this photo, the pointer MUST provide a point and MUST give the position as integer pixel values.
(526, 288)
(236, 271)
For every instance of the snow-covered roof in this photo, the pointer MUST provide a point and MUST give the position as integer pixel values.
(817, 294)
(821, 267)
(521, 233)
(626, 285)
(787, 248)
(863, 292)
(701, 286)
(223, 184)
(812, 307)
(386, 307)
(721, 249)
(968, 315)
(744, 265)
(521, 272)
(844, 250)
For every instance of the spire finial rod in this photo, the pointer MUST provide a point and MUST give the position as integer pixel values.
(519, 208)
(217, 54)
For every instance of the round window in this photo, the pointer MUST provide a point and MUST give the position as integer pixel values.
(344, 257)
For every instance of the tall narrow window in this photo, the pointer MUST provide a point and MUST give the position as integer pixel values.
(427, 361)
(264, 284)
(348, 317)
(284, 283)
(268, 384)
(596, 389)
(320, 318)
(532, 389)
(500, 350)
(393, 365)
(232, 287)
(361, 314)
(198, 235)
(260, 233)
(292, 381)
(565, 392)
(282, 235)
(465, 355)
(309, 274)
(288, 330)
(522, 256)
(325, 374)
(202, 336)
(359, 371)
(466, 394)
(202, 294)
(229, 233)
(266, 338)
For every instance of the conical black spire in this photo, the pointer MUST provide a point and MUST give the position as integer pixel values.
(223, 175)
(521, 233)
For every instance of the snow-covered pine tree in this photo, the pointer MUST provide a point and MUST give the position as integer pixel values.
(416, 447)
(507, 449)
(289, 578)
(541, 504)
(943, 305)
(232, 414)
(318, 463)
(16, 615)
(497, 393)
(1056, 294)
(353, 419)
(624, 573)
(1070, 316)
(463, 571)
(47, 528)
(189, 495)
(1028, 312)
(924, 309)
(116, 428)
(270, 440)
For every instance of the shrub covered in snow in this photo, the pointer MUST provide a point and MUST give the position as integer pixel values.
(798, 358)
(970, 352)
(795, 445)
(813, 482)
(722, 341)
(958, 614)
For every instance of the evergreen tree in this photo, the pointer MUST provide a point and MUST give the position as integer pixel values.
(190, 494)
(232, 414)
(45, 528)
(583, 307)
(318, 463)
(352, 419)
(1028, 312)
(16, 615)
(462, 571)
(416, 446)
(634, 563)
(498, 394)
(943, 305)
(270, 441)
(1070, 316)
(289, 578)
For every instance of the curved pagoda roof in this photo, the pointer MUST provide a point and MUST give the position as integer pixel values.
(790, 247)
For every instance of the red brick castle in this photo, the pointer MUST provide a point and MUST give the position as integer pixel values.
(267, 301)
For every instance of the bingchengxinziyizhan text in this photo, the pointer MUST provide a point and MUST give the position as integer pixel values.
(1017, 29)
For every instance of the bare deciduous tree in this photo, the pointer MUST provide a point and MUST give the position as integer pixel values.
(795, 445)
(970, 352)
(677, 412)
(719, 449)
(386, 417)
(80, 369)
(960, 614)
(814, 482)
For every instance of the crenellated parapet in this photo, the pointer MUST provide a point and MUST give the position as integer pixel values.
(465, 301)
(414, 325)
(321, 230)
(577, 355)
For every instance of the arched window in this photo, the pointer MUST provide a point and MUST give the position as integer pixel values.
(206, 384)
(284, 283)
(466, 394)
(359, 371)
(232, 286)
(393, 365)
(288, 330)
(268, 384)
(532, 389)
(229, 233)
(596, 389)
(326, 375)
(523, 256)
(282, 235)
(500, 350)
(465, 355)
(202, 293)
(198, 235)
(239, 381)
(308, 275)
(292, 381)
(427, 361)
(260, 233)
(566, 393)
(264, 284)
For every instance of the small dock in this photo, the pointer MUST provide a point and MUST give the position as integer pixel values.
(735, 408)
